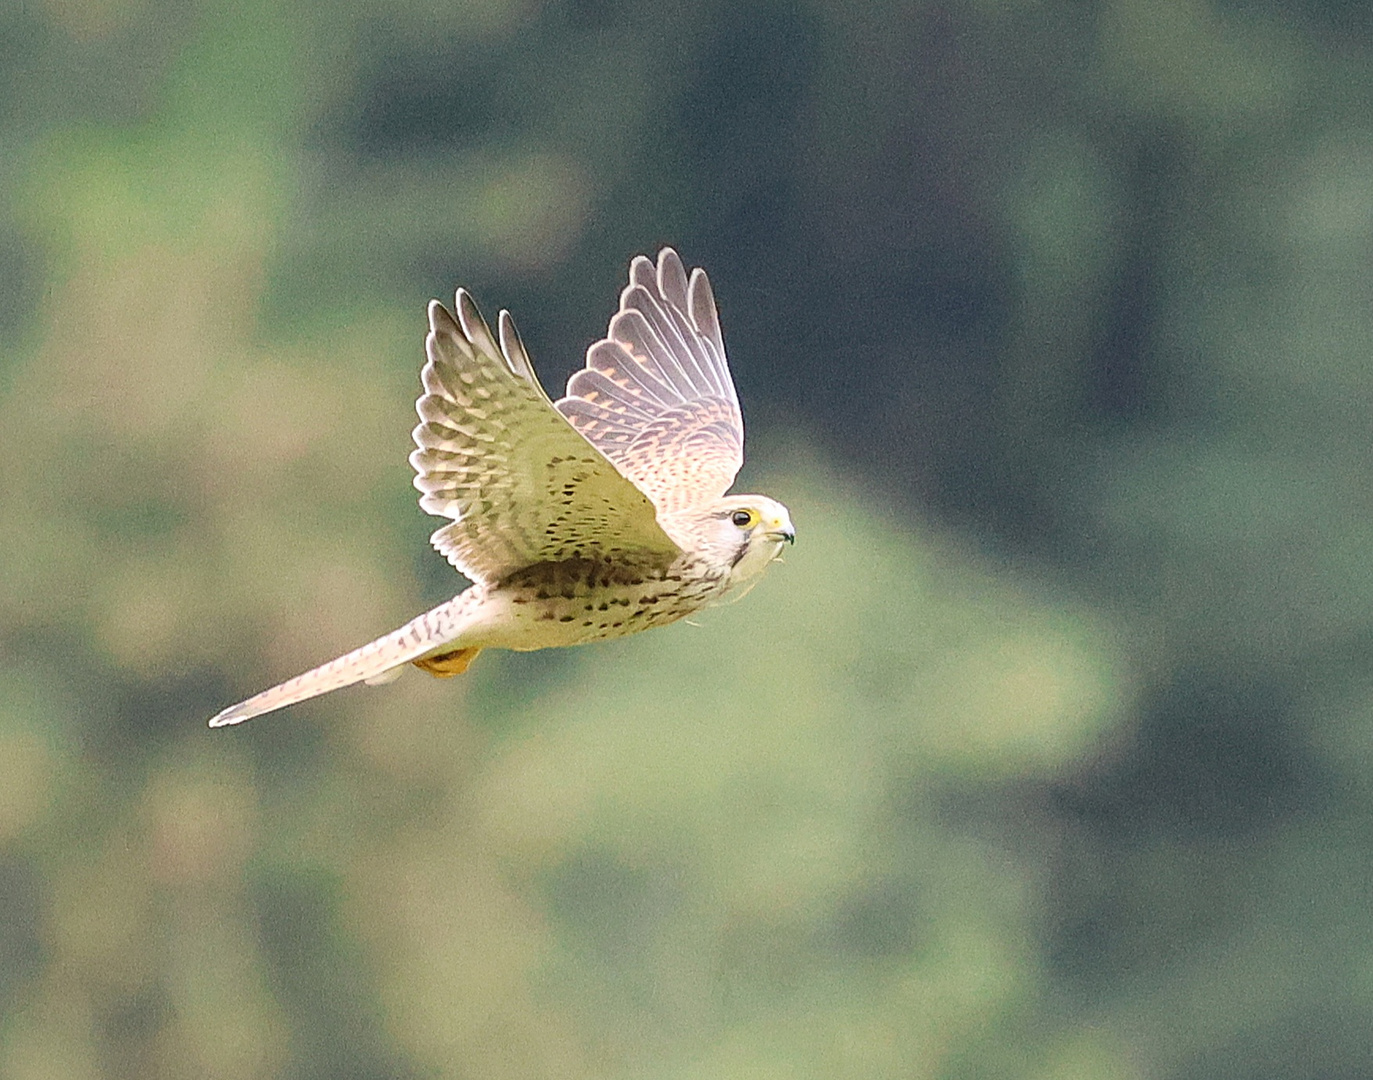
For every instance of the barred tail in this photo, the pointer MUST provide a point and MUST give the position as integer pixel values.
(422, 635)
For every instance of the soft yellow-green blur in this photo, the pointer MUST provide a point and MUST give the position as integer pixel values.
(1042, 755)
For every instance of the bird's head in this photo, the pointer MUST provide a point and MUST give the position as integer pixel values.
(745, 532)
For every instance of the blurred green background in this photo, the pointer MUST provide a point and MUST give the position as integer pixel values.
(1045, 755)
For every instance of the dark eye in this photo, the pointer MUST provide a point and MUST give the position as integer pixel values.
(742, 518)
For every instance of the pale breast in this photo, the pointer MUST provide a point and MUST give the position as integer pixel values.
(581, 600)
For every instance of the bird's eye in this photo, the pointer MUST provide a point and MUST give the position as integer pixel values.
(742, 518)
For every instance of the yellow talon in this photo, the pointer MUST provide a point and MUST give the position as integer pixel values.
(446, 665)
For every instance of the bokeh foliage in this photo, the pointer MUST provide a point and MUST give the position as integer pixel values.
(1044, 755)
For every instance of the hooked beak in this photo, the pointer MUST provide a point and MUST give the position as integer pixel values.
(788, 535)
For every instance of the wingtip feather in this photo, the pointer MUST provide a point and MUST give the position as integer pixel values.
(641, 272)
(512, 348)
(474, 327)
(705, 316)
(440, 318)
(672, 279)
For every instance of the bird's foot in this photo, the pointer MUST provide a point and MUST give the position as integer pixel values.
(446, 665)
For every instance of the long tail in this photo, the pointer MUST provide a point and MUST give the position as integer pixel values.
(422, 635)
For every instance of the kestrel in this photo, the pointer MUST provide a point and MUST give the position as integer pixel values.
(591, 517)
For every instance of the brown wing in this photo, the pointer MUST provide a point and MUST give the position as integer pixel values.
(656, 397)
(521, 485)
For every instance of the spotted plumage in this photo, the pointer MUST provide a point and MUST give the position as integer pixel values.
(596, 516)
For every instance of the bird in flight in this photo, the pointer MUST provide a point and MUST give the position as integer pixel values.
(591, 517)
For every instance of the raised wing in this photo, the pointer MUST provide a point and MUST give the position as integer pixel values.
(655, 396)
(521, 485)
